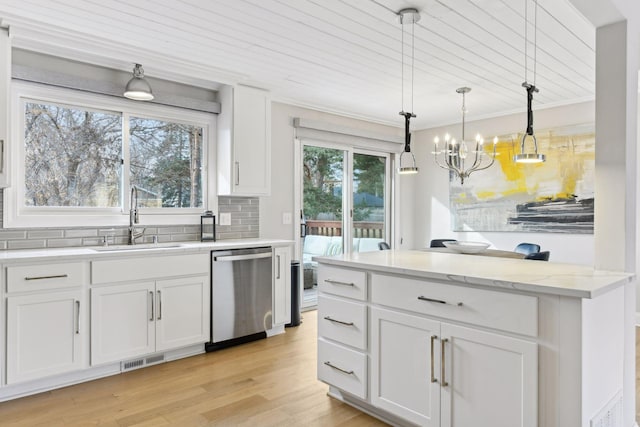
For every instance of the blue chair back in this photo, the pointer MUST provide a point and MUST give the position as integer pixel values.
(527, 248)
(439, 243)
(539, 256)
(383, 246)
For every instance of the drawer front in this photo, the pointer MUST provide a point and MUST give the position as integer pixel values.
(343, 321)
(25, 278)
(148, 268)
(342, 368)
(342, 282)
(498, 310)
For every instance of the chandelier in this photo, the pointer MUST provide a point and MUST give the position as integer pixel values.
(456, 154)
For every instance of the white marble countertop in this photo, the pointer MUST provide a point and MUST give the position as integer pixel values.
(525, 275)
(97, 252)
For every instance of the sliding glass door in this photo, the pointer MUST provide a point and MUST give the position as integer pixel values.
(345, 205)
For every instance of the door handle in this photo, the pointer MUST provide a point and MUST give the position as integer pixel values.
(439, 301)
(57, 276)
(337, 282)
(433, 378)
(443, 342)
(159, 306)
(331, 365)
(151, 298)
(278, 264)
(237, 173)
(77, 317)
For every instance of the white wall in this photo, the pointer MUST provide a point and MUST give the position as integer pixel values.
(431, 194)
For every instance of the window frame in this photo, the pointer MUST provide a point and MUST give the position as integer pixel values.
(16, 214)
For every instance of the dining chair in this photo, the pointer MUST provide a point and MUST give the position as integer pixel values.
(539, 256)
(383, 246)
(439, 243)
(527, 248)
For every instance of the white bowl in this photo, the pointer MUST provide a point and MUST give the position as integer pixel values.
(467, 247)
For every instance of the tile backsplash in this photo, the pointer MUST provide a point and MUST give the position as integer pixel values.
(244, 224)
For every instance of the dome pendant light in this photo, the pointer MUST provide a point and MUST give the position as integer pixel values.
(138, 87)
(531, 89)
(410, 16)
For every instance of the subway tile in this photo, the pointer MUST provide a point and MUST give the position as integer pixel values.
(26, 244)
(44, 234)
(64, 243)
(184, 237)
(80, 232)
(9, 235)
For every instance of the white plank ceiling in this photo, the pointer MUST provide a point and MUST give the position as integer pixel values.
(342, 56)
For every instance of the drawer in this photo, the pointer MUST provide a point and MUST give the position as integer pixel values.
(148, 267)
(498, 310)
(343, 321)
(342, 368)
(342, 281)
(25, 278)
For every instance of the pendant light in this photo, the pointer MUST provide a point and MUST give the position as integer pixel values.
(534, 157)
(138, 87)
(408, 16)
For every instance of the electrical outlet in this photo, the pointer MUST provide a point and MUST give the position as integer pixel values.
(286, 218)
(225, 218)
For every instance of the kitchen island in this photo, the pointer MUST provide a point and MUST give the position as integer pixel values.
(436, 339)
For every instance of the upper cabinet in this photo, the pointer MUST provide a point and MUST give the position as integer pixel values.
(244, 142)
(5, 82)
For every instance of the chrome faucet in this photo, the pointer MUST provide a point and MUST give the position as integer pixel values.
(133, 216)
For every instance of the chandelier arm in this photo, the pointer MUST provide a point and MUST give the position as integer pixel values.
(493, 159)
(452, 166)
(435, 157)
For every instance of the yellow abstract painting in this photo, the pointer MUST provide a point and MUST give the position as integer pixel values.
(555, 196)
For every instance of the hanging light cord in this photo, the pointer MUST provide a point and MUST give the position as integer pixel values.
(535, 41)
(402, 62)
(413, 51)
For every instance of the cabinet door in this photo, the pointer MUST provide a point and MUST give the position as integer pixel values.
(405, 362)
(281, 285)
(492, 379)
(45, 333)
(182, 312)
(251, 141)
(5, 81)
(122, 322)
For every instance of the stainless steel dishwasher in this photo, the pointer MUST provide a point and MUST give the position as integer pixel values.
(241, 296)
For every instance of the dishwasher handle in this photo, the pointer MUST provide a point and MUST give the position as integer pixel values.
(241, 257)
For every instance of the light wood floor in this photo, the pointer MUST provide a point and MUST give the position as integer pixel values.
(269, 382)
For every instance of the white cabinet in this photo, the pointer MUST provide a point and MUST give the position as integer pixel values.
(439, 374)
(281, 282)
(122, 322)
(45, 335)
(244, 141)
(426, 367)
(404, 360)
(141, 318)
(182, 312)
(46, 324)
(5, 100)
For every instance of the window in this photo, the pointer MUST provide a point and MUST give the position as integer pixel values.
(76, 156)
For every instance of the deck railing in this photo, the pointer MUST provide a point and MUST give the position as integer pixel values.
(372, 229)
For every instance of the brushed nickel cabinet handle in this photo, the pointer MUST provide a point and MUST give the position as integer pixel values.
(151, 298)
(1, 155)
(338, 321)
(77, 317)
(237, 173)
(337, 282)
(159, 306)
(278, 264)
(57, 276)
(442, 372)
(329, 364)
(433, 378)
(439, 301)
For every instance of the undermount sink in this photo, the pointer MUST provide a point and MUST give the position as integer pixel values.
(142, 246)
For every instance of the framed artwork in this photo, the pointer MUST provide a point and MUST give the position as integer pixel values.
(556, 196)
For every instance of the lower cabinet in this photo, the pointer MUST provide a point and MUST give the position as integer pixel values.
(281, 284)
(45, 335)
(141, 318)
(435, 373)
